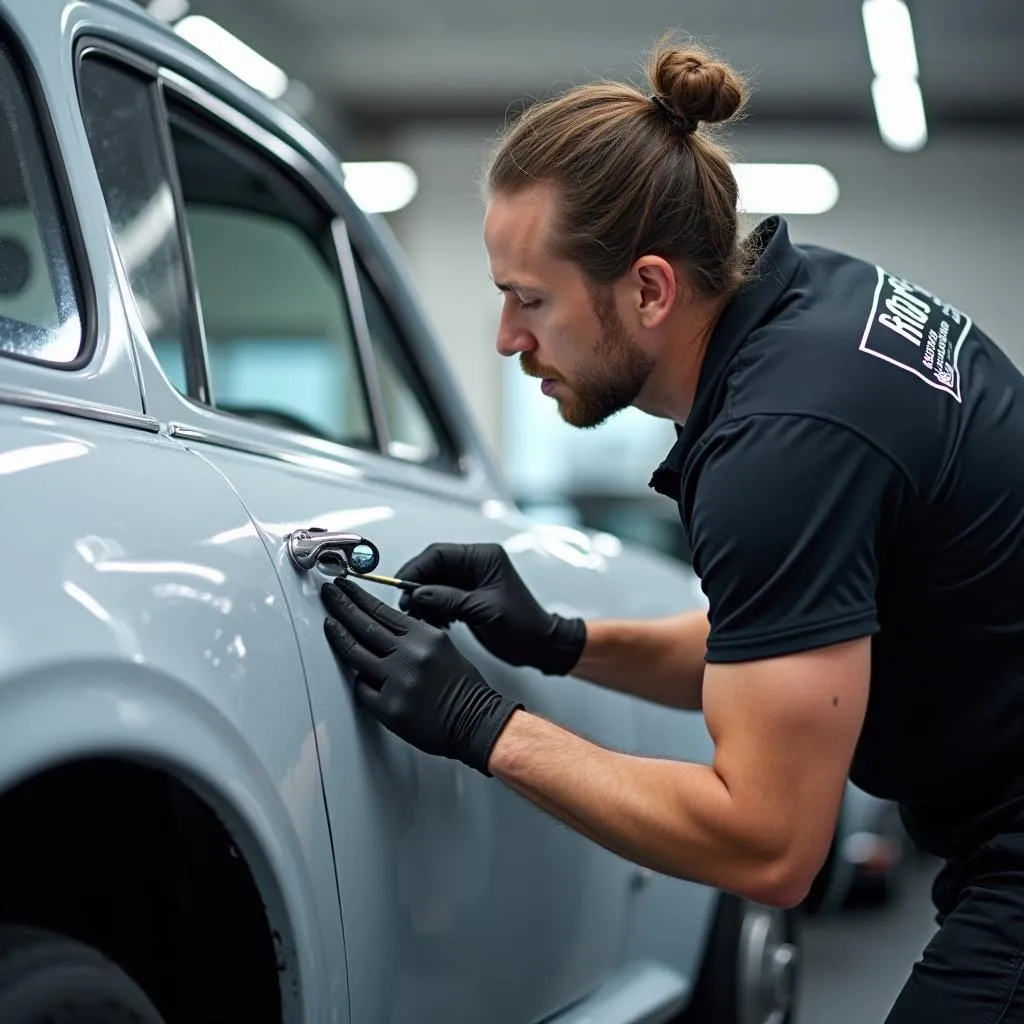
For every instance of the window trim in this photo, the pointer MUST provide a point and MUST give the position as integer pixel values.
(223, 118)
(452, 452)
(197, 357)
(361, 328)
(83, 284)
(349, 254)
(237, 132)
(267, 147)
(194, 344)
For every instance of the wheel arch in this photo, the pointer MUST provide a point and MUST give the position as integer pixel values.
(59, 717)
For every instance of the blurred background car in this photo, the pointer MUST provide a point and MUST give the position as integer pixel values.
(867, 859)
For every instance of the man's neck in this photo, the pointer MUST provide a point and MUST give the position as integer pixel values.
(672, 387)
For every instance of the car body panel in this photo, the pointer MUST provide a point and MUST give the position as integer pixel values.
(154, 629)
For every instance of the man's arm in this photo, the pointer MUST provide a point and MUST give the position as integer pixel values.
(758, 821)
(660, 660)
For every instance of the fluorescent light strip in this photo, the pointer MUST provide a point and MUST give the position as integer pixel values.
(890, 37)
(380, 186)
(785, 188)
(896, 92)
(899, 108)
(231, 53)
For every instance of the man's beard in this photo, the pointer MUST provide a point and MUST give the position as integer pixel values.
(611, 377)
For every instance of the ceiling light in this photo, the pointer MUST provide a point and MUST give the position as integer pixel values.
(380, 186)
(899, 105)
(785, 188)
(230, 52)
(899, 108)
(890, 36)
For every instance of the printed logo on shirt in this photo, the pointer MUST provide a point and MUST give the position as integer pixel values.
(916, 331)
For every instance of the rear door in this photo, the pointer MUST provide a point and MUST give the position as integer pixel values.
(461, 902)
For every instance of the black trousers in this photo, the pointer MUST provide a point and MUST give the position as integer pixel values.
(972, 972)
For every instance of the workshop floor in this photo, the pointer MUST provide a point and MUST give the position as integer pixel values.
(856, 962)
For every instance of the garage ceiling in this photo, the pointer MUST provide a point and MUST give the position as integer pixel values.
(807, 59)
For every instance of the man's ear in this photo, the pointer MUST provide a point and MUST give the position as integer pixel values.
(654, 288)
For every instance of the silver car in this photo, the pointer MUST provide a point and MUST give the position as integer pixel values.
(215, 389)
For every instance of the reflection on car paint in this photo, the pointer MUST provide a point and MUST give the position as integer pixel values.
(127, 640)
(164, 569)
(33, 456)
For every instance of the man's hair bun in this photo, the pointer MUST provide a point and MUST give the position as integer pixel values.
(695, 87)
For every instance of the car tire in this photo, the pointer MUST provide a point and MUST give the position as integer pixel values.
(49, 979)
(750, 970)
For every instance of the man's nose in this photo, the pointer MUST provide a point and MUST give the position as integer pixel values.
(513, 339)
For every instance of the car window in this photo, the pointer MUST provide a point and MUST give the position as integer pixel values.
(39, 315)
(122, 120)
(415, 428)
(279, 336)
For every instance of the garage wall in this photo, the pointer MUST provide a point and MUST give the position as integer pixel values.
(949, 218)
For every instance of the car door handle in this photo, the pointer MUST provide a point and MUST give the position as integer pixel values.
(308, 548)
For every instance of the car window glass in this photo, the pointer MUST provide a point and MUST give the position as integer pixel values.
(278, 332)
(121, 115)
(416, 433)
(39, 317)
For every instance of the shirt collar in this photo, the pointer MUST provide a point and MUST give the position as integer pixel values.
(772, 273)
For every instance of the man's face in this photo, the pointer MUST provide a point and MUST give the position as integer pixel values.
(569, 335)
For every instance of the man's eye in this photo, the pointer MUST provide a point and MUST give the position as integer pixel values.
(521, 303)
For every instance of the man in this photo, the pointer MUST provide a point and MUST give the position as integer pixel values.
(850, 473)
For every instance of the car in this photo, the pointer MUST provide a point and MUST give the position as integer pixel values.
(217, 390)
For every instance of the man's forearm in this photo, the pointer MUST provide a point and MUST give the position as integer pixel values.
(661, 660)
(674, 817)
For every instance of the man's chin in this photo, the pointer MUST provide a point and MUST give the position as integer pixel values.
(583, 418)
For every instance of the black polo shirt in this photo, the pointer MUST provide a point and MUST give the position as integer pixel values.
(853, 465)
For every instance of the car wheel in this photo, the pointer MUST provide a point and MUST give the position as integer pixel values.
(749, 973)
(49, 979)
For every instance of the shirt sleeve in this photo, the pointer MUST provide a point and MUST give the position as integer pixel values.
(788, 518)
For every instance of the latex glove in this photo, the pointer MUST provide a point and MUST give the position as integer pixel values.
(478, 584)
(412, 677)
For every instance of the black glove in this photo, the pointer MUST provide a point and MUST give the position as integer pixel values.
(477, 584)
(413, 679)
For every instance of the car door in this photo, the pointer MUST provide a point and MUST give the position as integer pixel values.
(460, 901)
